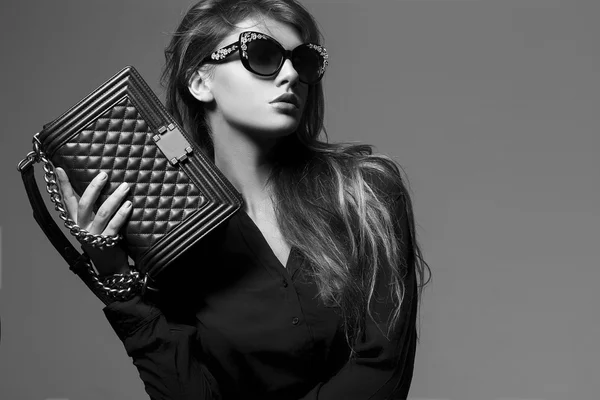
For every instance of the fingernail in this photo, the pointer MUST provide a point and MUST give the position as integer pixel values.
(127, 204)
(102, 175)
(123, 186)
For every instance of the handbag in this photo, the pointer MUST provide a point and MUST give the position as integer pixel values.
(178, 194)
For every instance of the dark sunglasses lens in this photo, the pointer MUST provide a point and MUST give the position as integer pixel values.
(307, 62)
(264, 56)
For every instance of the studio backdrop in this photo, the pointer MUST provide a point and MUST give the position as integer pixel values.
(490, 106)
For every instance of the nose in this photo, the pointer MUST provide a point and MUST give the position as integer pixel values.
(287, 74)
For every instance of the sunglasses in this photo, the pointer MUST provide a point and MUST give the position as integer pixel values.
(264, 56)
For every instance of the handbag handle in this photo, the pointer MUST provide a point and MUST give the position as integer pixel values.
(79, 263)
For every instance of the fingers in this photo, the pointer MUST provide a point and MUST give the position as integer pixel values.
(87, 200)
(108, 209)
(117, 222)
(111, 215)
(68, 195)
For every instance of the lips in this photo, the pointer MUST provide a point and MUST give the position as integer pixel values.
(287, 98)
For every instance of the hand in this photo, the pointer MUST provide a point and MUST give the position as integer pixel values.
(108, 220)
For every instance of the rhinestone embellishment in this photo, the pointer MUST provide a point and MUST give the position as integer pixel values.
(323, 54)
(222, 53)
(248, 37)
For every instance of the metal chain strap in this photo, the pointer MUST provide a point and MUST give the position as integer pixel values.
(82, 235)
(118, 286)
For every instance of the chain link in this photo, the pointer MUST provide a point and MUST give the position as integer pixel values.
(82, 235)
(118, 286)
(30, 158)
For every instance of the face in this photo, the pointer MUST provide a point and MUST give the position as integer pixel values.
(244, 100)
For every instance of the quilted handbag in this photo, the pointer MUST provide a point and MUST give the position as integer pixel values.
(178, 195)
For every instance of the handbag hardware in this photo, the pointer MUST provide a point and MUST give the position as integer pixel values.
(172, 143)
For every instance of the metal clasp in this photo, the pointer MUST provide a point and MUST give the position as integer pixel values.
(33, 156)
(29, 159)
(173, 144)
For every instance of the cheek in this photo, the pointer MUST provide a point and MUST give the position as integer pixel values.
(238, 93)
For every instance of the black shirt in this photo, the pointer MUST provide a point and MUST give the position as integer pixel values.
(239, 325)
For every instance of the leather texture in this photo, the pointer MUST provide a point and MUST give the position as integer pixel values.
(115, 129)
(119, 143)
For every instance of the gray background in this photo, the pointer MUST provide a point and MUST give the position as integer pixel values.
(492, 108)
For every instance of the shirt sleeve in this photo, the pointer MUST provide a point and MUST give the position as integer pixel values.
(163, 351)
(383, 368)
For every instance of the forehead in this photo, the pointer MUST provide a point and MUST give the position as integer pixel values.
(285, 34)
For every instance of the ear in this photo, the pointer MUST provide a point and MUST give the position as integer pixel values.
(199, 86)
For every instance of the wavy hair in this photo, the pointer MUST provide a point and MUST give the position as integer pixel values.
(325, 199)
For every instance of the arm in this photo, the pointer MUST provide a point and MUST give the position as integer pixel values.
(383, 368)
(162, 351)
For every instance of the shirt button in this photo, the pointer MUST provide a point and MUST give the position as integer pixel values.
(295, 321)
(285, 284)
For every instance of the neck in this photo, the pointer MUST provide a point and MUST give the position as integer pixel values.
(242, 159)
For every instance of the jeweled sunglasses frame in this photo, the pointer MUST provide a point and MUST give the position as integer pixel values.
(249, 36)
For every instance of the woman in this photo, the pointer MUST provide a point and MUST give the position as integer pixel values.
(308, 292)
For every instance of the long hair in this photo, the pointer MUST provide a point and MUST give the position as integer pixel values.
(325, 199)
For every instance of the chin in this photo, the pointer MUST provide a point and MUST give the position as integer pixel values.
(286, 122)
(281, 128)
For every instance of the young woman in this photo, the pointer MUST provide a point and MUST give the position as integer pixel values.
(311, 290)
